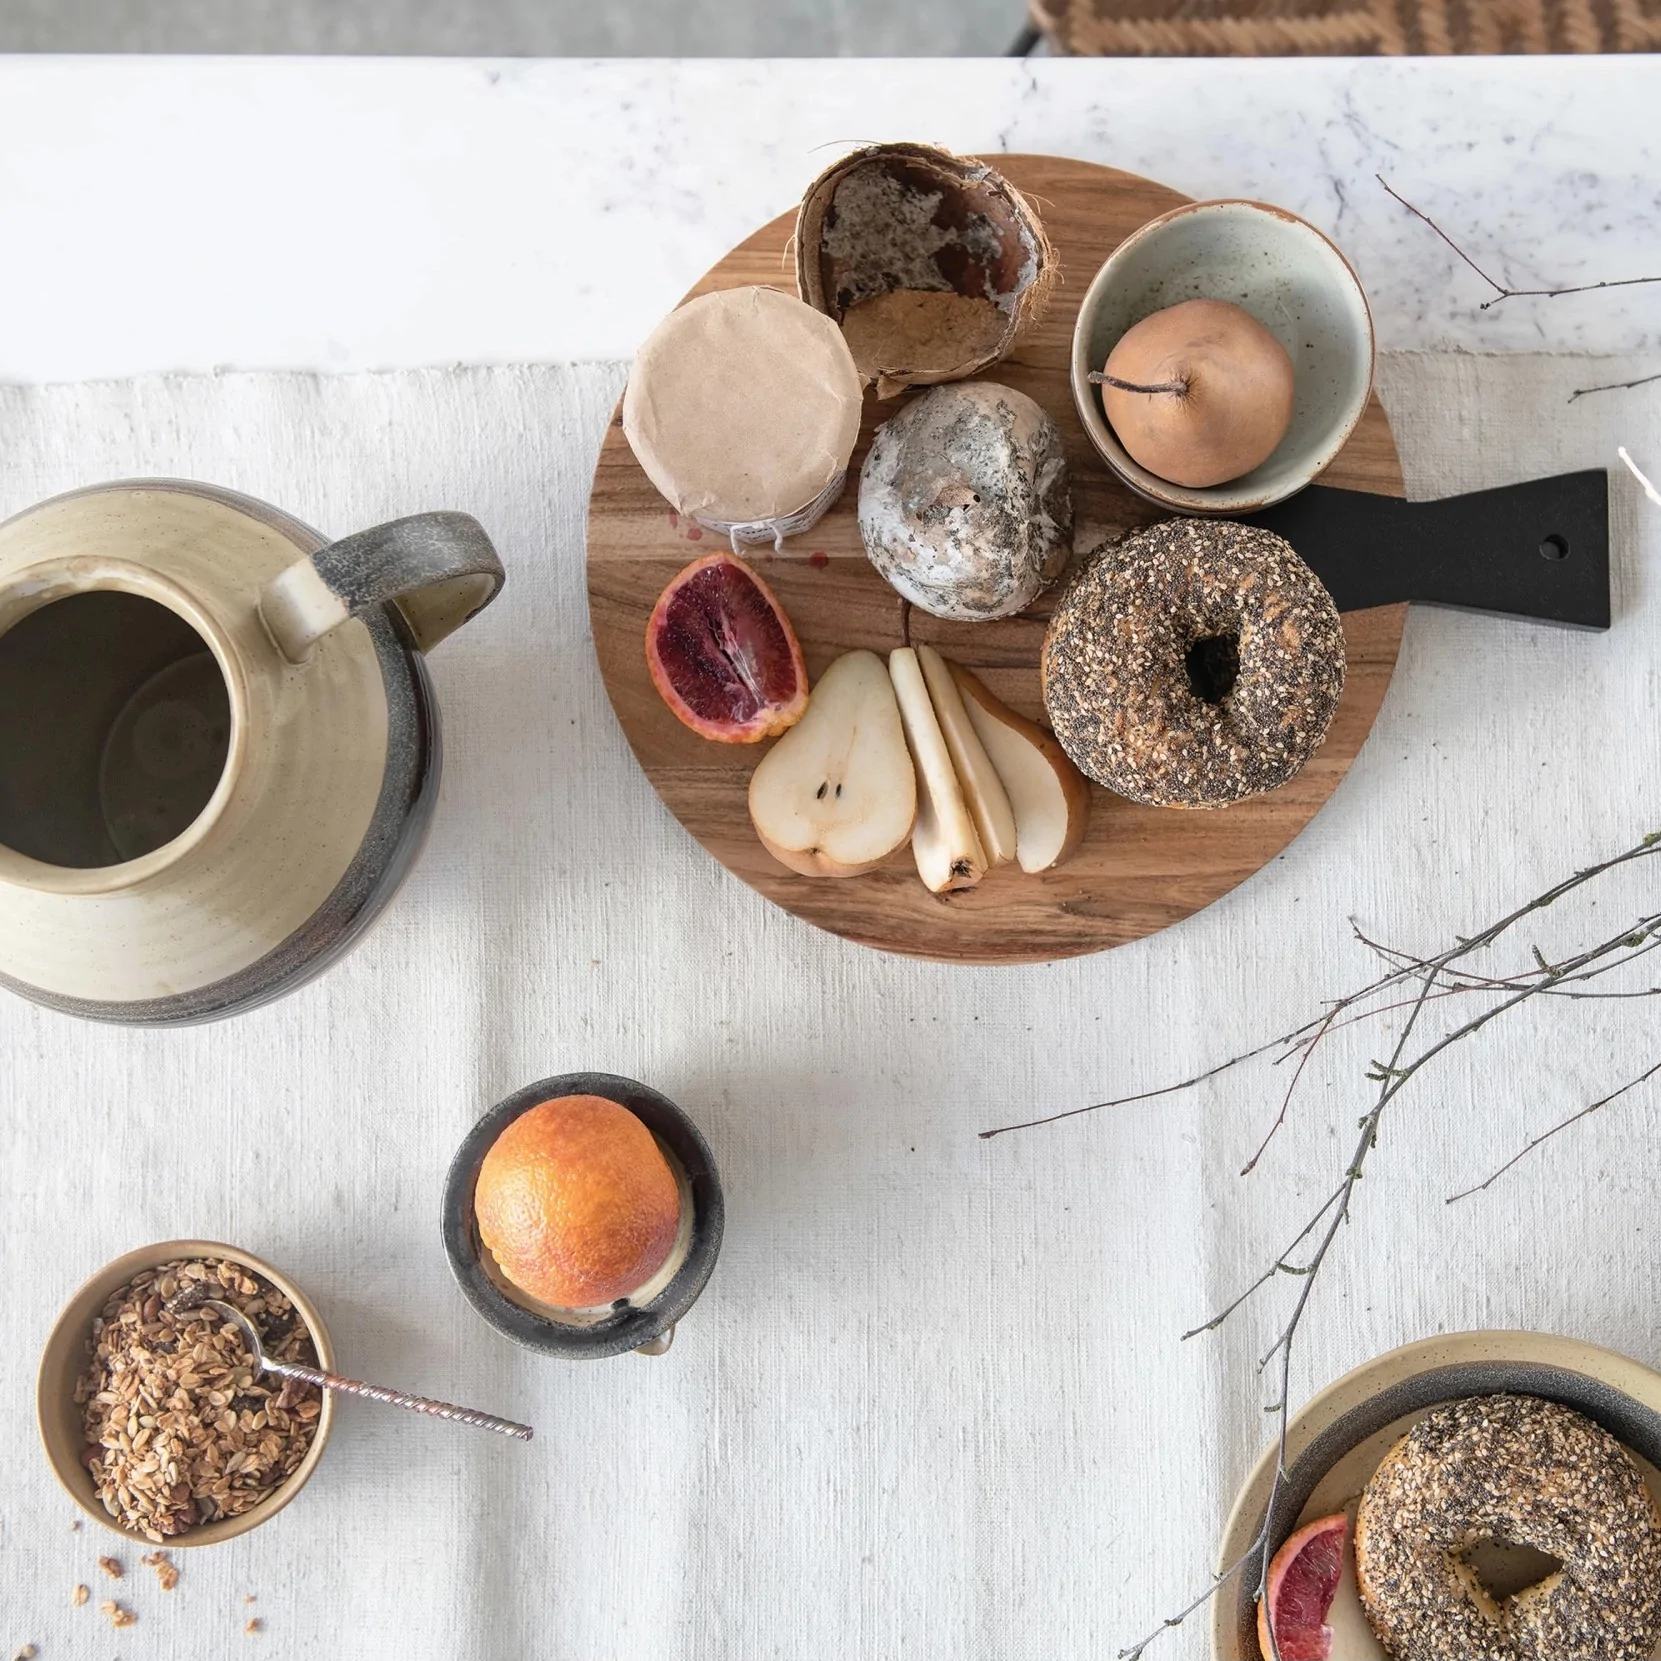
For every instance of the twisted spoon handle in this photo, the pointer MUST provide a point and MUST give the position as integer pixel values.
(397, 1398)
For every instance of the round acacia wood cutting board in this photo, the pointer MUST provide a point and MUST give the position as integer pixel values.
(1139, 868)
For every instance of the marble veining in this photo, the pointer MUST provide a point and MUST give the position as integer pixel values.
(553, 210)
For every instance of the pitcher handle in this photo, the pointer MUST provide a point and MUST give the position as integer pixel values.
(440, 569)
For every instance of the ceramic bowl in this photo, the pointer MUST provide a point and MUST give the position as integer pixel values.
(1335, 1443)
(69, 1346)
(1292, 280)
(645, 1327)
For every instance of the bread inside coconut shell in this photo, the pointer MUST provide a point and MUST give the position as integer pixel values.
(932, 263)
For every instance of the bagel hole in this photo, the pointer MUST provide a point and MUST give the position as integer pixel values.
(1505, 1569)
(1213, 664)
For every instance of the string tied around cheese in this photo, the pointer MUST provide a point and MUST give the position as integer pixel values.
(776, 529)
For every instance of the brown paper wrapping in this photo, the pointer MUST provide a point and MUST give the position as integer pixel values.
(933, 264)
(743, 408)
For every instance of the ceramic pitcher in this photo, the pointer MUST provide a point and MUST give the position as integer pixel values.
(219, 748)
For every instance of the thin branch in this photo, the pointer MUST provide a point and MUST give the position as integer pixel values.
(1501, 290)
(1392, 1076)
(1281, 1266)
(1392, 1080)
(1418, 213)
(1149, 1095)
(1134, 1652)
(1613, 386)
(1546, 1135)
(1650, 845)
(1464, 980)
(1308, 1048)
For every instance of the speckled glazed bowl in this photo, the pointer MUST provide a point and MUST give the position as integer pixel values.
(1292, 280)
(66, 1353)
(1336, 1441)
(219, 749)
(645, 1322)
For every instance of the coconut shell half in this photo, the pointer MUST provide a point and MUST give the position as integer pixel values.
(933, 264)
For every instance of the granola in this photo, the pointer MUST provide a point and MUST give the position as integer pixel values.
(180, 1429)
(166, 1572)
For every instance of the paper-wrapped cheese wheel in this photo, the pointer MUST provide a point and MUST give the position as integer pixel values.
(964, 504)
(743, 409)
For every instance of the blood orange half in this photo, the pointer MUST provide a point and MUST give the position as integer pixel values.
(1303, 1577)
(723, 654)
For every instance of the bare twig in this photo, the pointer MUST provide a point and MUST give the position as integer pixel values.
(1613, 386)
(1435, 978)
(1134, 1653)
(1151, 1095)
(1308, 1048)
(1562, 1125)
(1391, 1078)
(1501, 290)
(1395, 977)
(1561, 984)
(1335, 1212)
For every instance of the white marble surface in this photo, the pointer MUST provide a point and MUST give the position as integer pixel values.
(258, 213)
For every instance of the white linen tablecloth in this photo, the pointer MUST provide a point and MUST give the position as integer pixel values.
(933, 1402)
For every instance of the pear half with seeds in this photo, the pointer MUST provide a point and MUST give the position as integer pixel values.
(837, 794)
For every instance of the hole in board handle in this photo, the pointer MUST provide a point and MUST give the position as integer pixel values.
(1554, 547)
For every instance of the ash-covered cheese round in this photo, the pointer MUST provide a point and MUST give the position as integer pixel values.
(964, 504)
(1193, 663)
(1531, 1473)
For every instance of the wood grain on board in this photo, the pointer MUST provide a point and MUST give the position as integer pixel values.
(1140, 868)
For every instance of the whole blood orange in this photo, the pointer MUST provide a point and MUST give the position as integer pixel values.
(1303, 1576)
(723, 654)
(577, 1203)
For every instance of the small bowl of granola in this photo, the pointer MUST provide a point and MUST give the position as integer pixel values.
(151, 1412)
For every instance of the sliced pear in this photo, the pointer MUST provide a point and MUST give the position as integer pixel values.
(983, 790)
(837, 794)
(944, 840)
(1049, 796)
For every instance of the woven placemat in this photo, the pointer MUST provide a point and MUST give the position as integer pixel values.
(1343, 28)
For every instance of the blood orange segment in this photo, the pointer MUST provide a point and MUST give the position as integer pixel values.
(1303, 1577)
(723, 655)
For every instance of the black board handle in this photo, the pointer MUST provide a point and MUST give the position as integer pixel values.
(1538, 550)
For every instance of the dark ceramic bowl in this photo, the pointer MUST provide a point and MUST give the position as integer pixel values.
(646, 1326)
(1336, 1441)
(1292, 280)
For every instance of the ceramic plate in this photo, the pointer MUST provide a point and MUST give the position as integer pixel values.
(1335, 1443)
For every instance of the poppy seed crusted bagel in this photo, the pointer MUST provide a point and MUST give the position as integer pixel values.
(1532, 1473)
(1193, 663)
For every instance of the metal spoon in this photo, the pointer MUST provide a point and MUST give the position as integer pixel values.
(355, 1387)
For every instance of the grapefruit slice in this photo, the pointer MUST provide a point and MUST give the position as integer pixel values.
(1303, 1576)
(723, 655)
